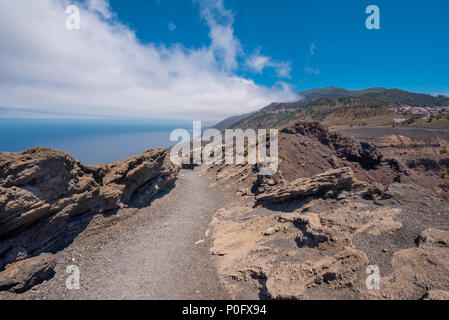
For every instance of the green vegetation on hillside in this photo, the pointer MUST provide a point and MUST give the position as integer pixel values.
(337, 107)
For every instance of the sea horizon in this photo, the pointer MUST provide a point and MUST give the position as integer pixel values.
(91, 141)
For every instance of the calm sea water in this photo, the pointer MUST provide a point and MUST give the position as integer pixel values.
(90, 141)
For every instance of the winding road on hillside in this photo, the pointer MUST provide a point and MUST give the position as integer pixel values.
(159, 253)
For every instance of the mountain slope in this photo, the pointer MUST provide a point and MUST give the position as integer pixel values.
(341, 107)
(228, 122)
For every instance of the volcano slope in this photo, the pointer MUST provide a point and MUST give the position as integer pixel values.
(336, 211)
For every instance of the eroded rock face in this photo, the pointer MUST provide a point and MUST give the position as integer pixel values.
(291, 281)
(24, 274)
(47, 197)
(424, 266)
(330, 180)
(364, 153)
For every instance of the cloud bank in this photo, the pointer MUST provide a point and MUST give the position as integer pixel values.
(104, 70)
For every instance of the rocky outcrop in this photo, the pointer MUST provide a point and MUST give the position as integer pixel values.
(47, 197)
(362, 152)
(24, 274)
(319, 246)
(422, 267)
(291, 281)
(434, 237)
(330, 180)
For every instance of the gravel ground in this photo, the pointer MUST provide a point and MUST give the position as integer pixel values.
(161, 252)
(369, 133)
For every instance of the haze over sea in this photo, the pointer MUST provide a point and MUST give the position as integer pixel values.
(90, 141)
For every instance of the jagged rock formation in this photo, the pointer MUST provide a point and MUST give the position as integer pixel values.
(364, 153)
(330, 180)
(47, 197)
(308, 148)
(24, 274)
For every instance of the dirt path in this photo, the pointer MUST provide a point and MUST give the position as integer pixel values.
(153, 255)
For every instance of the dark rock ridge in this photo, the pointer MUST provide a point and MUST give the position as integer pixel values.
(47, 197)
(362, 152)
(308, 148)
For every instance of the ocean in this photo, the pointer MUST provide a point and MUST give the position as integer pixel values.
(90, 141)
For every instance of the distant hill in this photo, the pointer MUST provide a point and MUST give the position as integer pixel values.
(336, 93)
(339, 107)
(392, 97)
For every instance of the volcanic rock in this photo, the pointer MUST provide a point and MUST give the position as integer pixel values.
(47, 198)
(23, 275)
(333, 179)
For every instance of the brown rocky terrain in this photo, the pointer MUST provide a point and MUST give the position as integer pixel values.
(335, 207)
(424, 154)
(47, 198)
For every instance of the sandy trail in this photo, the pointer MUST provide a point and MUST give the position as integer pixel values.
(153, 255)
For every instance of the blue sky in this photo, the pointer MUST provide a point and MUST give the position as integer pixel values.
(209, 59)
(410, 51)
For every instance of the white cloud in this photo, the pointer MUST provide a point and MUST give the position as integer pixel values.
(171, 26)
(224, 44)
(311, 70)
(283, 69)
(104, 70)
(101, 7)
(258, 63)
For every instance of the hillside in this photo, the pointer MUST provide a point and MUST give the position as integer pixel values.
(336, 206)
(339, 107)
